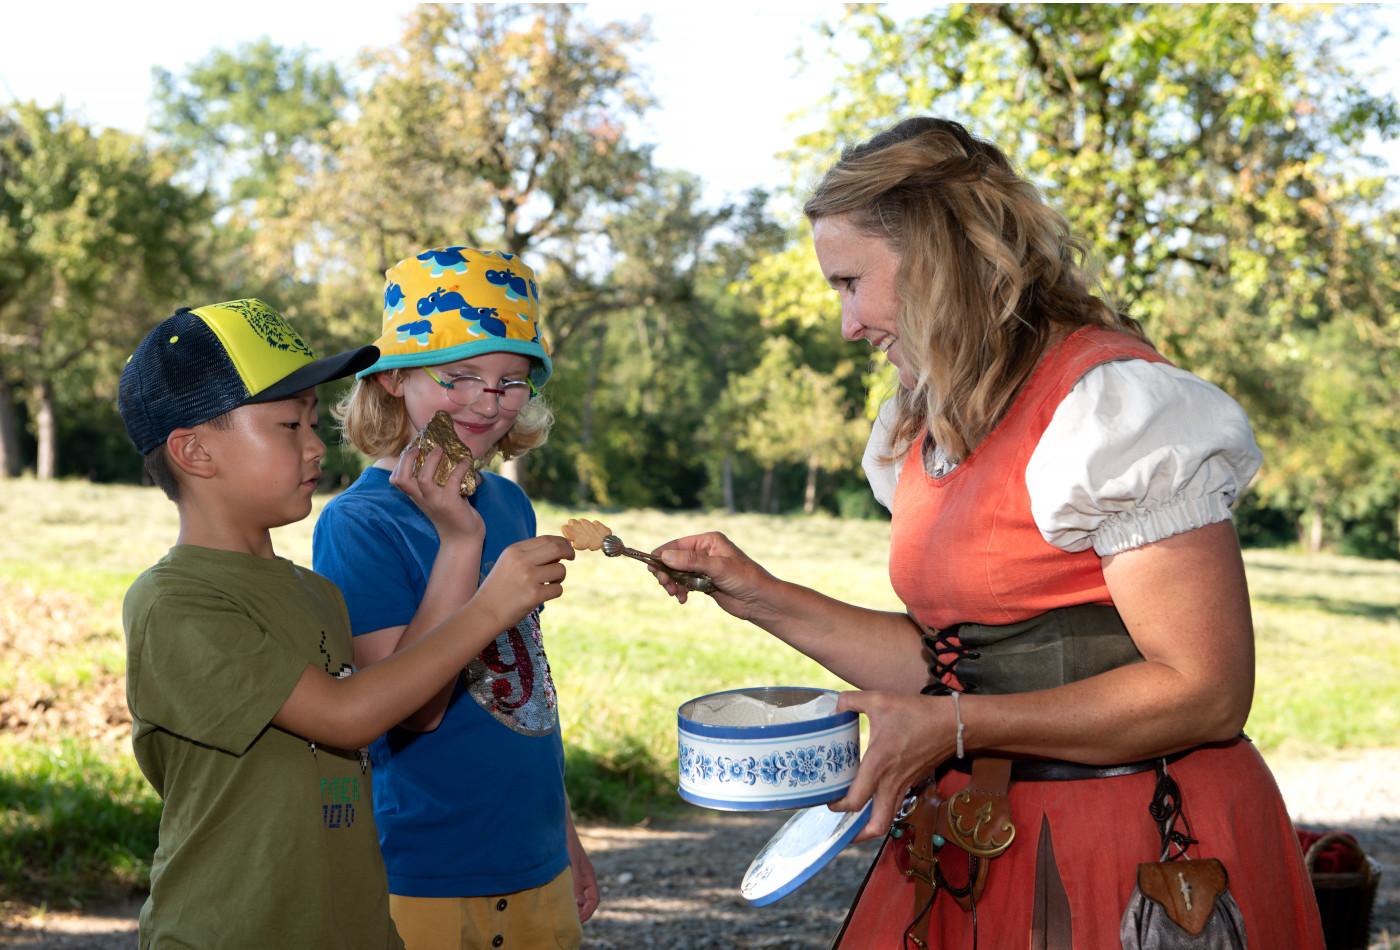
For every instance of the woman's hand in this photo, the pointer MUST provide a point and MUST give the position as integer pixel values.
(740, 582)
(452, 515)
(909, 736)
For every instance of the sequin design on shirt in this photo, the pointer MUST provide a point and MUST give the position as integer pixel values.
(511, 680)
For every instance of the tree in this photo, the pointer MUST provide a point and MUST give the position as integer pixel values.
(1333, 451)
(493, 125)
(657, 245)
(96, 239)
(245, 118)
(1210, 153)
(497, 126)
(832, 393)
(253, 124)
(787, 411)
(639, 400)
(1159, 129)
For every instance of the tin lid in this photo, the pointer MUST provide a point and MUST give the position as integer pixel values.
(804, 845)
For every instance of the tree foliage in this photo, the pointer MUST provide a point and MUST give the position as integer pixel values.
(245, 117)
(1212, 156)
(788, 411)
(495, 126)
(96, 240)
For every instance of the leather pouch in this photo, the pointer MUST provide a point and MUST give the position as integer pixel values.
(1182, 905)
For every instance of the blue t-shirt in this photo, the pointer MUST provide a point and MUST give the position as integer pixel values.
(477, 805)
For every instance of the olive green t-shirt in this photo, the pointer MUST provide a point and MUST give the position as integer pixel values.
(266, 839)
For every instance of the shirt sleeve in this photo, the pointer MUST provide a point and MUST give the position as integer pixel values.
(358, 554)
(880, 470)
(206, 671)
(1138, 452)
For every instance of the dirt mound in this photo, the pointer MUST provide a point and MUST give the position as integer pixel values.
(53, 689)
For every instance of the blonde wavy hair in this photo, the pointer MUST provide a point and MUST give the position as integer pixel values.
(377, 423)
(988, 273)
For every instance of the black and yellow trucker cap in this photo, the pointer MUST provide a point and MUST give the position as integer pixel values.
(202, 362)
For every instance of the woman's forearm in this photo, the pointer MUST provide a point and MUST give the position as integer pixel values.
(1134, 712)
(870, 649)
(1125, 715)
(1186, 603)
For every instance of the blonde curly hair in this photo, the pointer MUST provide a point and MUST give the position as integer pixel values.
(988, 272)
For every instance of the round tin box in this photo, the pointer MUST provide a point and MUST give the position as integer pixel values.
(765, 748)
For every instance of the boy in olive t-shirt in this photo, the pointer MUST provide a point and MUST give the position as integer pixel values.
(217, 641)
(246, 717)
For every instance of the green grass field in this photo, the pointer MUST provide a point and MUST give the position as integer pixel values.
(76, 817)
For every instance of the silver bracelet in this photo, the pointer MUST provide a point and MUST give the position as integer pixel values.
(957, 714)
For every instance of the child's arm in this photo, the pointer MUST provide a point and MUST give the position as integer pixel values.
(451, 583)
(585, 878)
(349, 713)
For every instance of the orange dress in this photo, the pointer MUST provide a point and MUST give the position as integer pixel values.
(965, 548)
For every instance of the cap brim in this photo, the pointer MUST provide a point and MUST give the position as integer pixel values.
(321, 371)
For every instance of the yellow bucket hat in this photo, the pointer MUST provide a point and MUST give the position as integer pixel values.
(449, 303)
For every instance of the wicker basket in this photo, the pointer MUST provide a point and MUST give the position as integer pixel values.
(1344, 900)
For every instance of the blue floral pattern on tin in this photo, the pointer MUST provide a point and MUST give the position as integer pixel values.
(698, 765)
(793, 768)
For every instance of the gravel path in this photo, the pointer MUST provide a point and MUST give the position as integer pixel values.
(676, 885)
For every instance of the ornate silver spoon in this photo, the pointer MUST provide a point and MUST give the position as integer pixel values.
(690, 580)
(586, 535)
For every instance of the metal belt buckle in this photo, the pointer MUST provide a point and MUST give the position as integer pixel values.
(978, 826)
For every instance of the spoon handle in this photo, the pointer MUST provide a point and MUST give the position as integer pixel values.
(690, 580)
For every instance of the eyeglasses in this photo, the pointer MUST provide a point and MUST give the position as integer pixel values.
(465, 389)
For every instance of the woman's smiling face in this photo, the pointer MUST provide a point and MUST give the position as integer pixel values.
(863, 270)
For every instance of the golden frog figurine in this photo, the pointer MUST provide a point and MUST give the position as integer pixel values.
(440, 432)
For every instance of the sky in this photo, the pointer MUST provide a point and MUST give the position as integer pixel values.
(724, 74)
(725, 93)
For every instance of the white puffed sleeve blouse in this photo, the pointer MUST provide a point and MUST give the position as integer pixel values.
(1136, 452)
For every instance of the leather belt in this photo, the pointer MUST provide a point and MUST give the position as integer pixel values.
(1058, 770)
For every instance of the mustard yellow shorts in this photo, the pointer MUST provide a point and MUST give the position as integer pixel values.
(544, 916)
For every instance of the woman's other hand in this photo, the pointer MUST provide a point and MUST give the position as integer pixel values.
(909, 736)
(452, 515)
(740, 581)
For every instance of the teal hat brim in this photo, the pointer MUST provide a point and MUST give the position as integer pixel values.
(540, 372)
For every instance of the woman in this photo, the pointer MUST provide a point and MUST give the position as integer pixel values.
(1077, 609)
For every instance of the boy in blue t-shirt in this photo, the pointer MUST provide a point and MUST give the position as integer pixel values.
(246, 718)
(469, 791)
